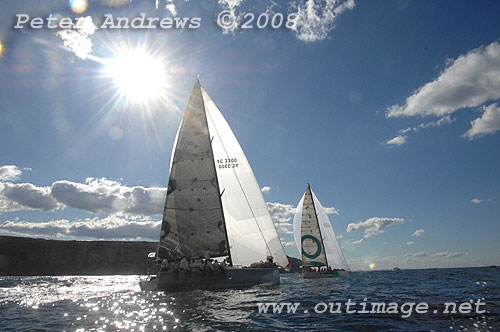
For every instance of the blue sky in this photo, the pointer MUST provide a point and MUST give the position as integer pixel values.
(388, 108)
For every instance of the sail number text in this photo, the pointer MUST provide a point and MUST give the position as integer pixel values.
(227, 163)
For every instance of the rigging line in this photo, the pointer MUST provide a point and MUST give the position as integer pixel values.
(239, 183)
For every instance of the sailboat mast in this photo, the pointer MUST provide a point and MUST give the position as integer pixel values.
(217, 182)
(317, 222)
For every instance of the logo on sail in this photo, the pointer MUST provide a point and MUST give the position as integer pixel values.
(318, 246)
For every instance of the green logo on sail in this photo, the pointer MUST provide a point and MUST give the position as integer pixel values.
(318, 244)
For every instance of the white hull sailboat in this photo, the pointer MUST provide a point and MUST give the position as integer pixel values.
(316, 240)
(214, 204)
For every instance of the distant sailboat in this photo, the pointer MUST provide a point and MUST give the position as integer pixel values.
(316, 241)
(214, 202)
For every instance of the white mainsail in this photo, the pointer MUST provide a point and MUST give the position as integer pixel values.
(334, 255)
(250, 229)
(313, 249)
(248, 225)
(193, 220)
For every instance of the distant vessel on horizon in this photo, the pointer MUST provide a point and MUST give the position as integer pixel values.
(316, 241)
(214, 208)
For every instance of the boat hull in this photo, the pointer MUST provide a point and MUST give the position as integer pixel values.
(324, 274)
(218, 279)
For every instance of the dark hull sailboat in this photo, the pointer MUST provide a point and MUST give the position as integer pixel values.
(325, 274)
(214, 204)
(229, 278)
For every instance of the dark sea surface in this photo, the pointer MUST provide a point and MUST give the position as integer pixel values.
(115, 303)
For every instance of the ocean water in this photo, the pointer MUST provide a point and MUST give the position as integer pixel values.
(115, 303)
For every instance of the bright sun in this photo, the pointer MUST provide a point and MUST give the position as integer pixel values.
(138, 76)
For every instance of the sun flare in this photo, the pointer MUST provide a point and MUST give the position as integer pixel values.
(139, 76)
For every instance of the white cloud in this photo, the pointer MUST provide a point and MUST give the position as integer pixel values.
(418, 232)
(170, 6)
(287, 243)
(438, 255)
(398, 140)
(374, 225)
(447, 254)
(476, 200)
(77, 38)
(435, 256)
(436, 123)
(95, 195)
(331, 210)
(417, 254)
(468, 81)
(488, 123)
(113, 227)
(316, 18)
(340, 236)
(26, 196)
(231, 6)
(230, 3)
(409, 243)
(357, 241)
(265, 189)
(108, 196)
(9, 173)
(282, 215)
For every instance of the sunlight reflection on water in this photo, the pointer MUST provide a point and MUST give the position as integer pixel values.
(112, 303)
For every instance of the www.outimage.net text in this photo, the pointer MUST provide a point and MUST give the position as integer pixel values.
(350, 307)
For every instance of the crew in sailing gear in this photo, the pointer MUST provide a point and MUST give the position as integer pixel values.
(207, 256)
(184, 265)
(164, 265)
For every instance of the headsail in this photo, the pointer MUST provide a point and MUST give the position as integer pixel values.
(250, 229)
(328, 242)
(193, 218)
(334, 254)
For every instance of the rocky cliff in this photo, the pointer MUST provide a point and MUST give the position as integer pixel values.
(38, 257)
(27, 256)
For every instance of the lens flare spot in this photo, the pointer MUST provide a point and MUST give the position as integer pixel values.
(78, 6)
(115, 133)
(371, 266)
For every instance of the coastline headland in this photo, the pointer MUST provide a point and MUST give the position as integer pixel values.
(22, 256)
